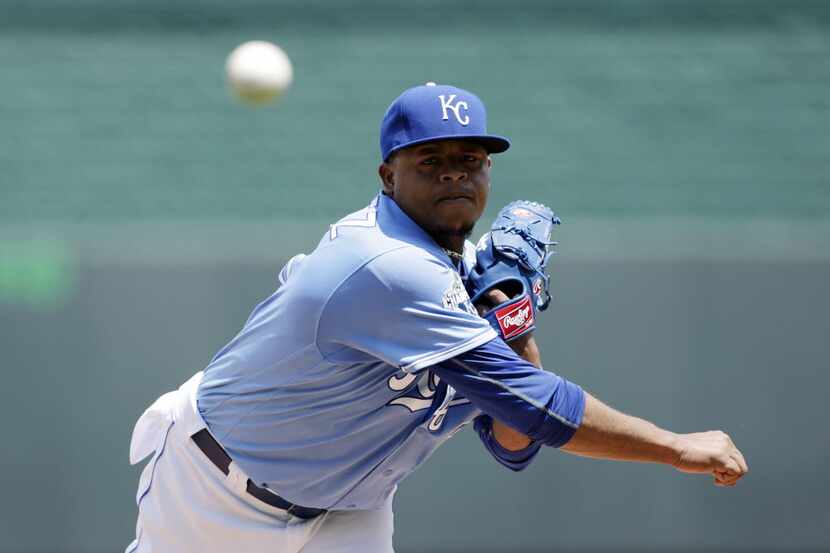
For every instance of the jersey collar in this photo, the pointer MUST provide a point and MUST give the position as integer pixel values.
(392, 218)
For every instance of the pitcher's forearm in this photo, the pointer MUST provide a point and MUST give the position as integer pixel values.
(606, 433)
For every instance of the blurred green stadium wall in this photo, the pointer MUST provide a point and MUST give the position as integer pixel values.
(686, 145)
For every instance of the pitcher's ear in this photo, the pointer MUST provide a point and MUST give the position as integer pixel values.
(387, 178)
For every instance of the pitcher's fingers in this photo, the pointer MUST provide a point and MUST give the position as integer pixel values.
(722, 484)
(489, 300)
(725, 485)
(732, 465)
(725, 474)
(727, 477)
(739, 457)
(496, 296)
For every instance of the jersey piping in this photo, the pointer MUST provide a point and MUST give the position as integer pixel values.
(517, 393)
(434, 358)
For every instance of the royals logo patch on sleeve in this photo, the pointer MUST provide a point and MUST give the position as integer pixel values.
(515, 319)
(455, 297)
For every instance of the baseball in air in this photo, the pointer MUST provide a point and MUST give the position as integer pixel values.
(258, 72)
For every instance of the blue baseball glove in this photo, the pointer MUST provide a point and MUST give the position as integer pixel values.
(512, 257)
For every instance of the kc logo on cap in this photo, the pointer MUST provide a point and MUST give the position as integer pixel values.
(436, 112)
(447, 104)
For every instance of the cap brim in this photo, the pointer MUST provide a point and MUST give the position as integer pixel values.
(494, 144)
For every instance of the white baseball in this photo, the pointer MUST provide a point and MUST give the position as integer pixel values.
(258, 71)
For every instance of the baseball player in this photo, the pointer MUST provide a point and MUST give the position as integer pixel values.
(369, 355)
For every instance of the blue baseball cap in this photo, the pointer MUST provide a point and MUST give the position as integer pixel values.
(436, 112)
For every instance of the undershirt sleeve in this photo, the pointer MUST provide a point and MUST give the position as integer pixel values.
(538, 403)
(514, 460)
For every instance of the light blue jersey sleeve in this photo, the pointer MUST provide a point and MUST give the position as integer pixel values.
(404, 307)
(289, 268)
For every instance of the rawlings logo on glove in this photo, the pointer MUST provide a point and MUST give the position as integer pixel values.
(512, 257)
(515, 318)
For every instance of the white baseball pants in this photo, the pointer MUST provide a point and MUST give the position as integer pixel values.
(186, 504)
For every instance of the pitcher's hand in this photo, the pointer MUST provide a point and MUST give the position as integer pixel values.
(711, 452)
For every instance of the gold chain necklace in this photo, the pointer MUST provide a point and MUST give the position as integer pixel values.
(453, 255)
